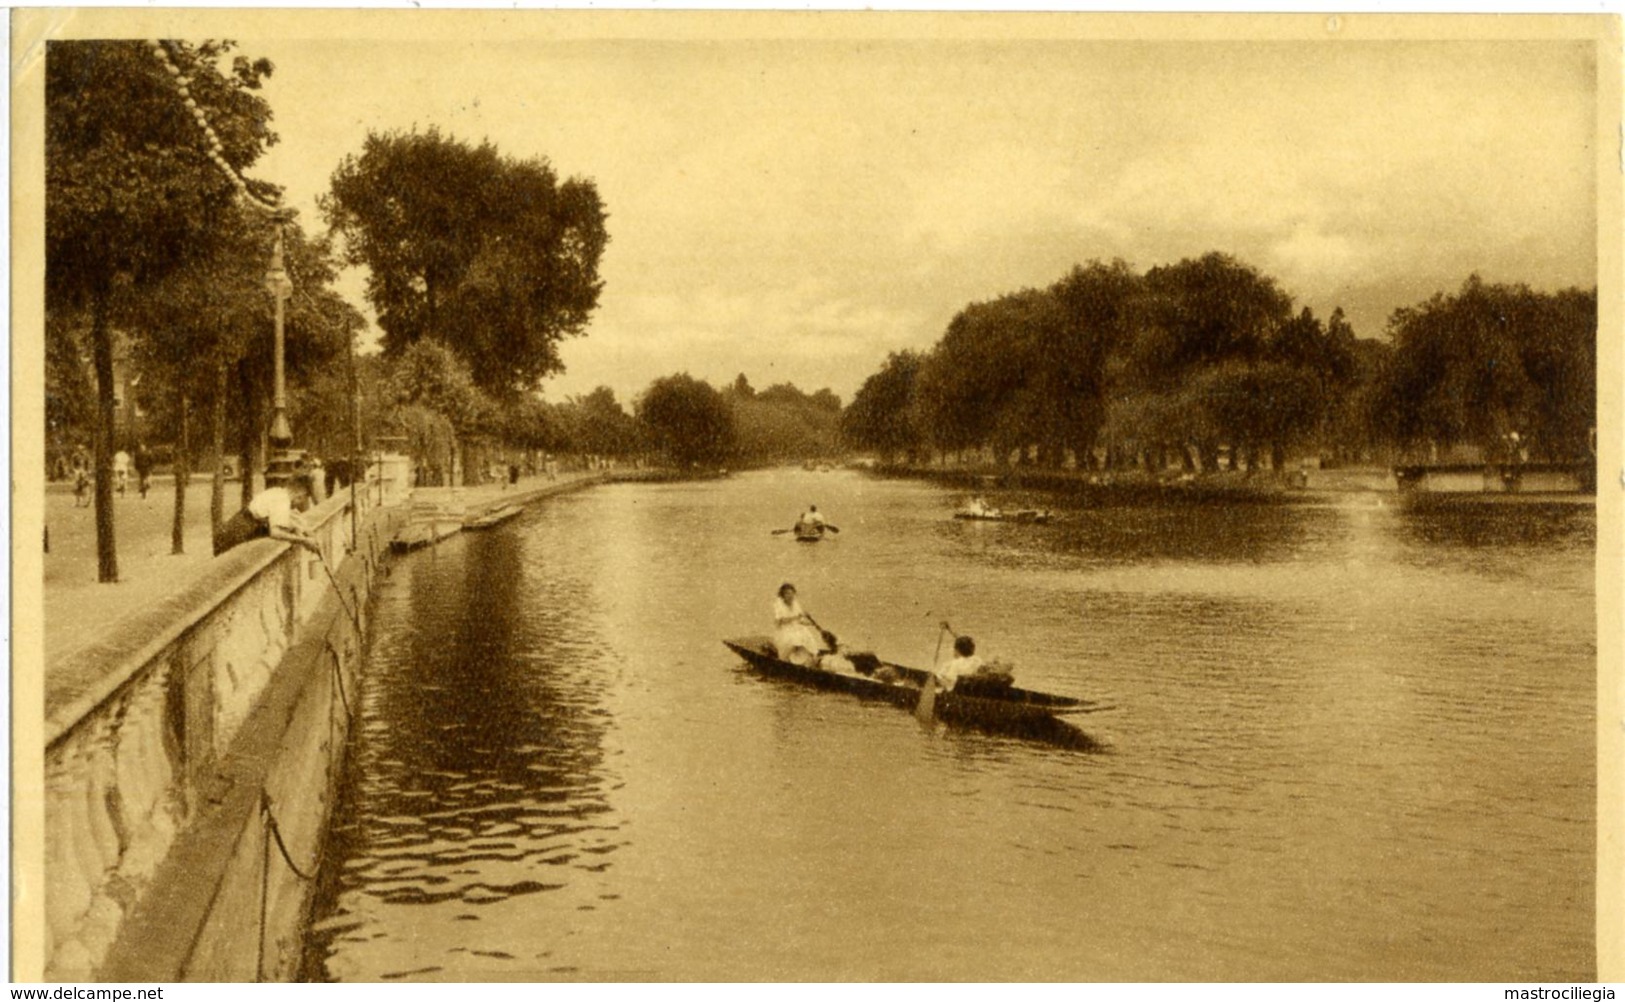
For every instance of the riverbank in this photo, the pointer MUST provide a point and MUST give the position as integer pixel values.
(1131, 487)
(194, 742)
(437, 512)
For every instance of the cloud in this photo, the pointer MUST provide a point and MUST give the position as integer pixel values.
(1309, 252)
(806, 206)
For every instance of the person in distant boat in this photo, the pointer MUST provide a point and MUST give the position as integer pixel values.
(980, 508)
(270, 514)
(796, 637)
(811, 523)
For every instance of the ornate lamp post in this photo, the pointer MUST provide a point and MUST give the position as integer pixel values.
(280, 468)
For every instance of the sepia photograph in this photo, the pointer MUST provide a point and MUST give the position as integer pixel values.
(750, 496)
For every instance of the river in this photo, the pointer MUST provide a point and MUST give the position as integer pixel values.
(1351, 742)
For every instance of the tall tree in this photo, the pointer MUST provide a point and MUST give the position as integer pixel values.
(428, 376)
(70, 392)
(880, 416)
(492, 257)
(212, 319)
(130, 189)
(687, 419)
(602, 427)
(1491, 360)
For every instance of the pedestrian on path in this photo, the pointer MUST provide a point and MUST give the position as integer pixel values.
(143, 470)
(121, 470)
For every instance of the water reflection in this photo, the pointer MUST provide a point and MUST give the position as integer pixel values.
(478, 772)
(1520, 528)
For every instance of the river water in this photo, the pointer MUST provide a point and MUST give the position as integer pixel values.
(1351, 742)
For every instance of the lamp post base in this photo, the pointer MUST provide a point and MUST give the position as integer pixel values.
(280, 470)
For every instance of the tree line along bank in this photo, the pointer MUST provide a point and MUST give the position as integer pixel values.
(1184, 363)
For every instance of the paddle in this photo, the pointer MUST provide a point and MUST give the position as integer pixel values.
(780, 532)
(828, 637)
(926, 709)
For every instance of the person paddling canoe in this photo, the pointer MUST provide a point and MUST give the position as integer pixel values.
(795, 636)
(966, 672)
(810, 525)
(964, 662)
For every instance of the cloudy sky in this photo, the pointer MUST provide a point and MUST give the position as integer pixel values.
(797, 207)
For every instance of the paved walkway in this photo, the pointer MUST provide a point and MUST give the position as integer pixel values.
(78, 607)
(477, 500)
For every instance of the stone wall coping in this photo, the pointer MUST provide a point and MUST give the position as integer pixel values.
(94, 673)
(330, 509)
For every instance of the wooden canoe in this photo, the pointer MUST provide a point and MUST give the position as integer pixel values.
(1018, 712)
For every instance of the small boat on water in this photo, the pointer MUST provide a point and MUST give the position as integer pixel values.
(424, 533)
(999, 709)
(1030, 516)
(495, 517)
(808, 532)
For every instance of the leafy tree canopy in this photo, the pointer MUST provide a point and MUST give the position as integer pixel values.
(1491, 360)
(131, 192)
(491, 256)
(687, 419)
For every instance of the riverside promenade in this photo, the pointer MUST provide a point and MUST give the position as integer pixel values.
(77, 607)
(196, 715)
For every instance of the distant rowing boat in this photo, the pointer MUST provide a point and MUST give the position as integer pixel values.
(1032, 516)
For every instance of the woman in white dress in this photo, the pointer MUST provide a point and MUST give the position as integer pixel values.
(795, 636)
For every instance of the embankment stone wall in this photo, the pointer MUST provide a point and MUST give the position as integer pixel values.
(192, 735)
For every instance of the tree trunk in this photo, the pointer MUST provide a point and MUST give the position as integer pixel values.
(245, 439)
(1278, 458)
(102, 349)
(249, 447)
(217, 485)
(183, 478)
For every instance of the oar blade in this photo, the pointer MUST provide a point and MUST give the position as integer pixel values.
(926, 709)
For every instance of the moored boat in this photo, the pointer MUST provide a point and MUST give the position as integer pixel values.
(495, 517)
(424, 533)
(1007, 710)
(1035, 516)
